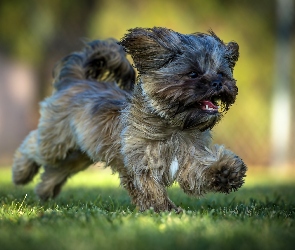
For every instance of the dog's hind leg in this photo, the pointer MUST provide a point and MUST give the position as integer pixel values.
(56, 175)
(25, 165)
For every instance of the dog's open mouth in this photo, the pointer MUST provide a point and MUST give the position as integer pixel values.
(212, 105)
(208, 106)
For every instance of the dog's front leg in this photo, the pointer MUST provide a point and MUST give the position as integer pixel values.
(227, 173)
(214, 169)
(147, 192)
(144, 177)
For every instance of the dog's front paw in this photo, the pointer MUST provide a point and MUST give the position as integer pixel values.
(227, 174)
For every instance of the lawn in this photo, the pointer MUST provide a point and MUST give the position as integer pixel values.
(93, 212)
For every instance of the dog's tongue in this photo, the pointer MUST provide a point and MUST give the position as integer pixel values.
(207, 105)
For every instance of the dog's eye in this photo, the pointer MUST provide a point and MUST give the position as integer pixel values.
(193, 75)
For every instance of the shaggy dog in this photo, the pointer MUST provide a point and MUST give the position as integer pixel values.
(154, 132)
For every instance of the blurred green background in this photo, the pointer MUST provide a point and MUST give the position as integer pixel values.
(36, 34)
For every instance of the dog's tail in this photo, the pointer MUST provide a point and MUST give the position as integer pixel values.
(100, 60)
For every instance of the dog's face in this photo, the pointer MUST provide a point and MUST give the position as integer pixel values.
(187, 79)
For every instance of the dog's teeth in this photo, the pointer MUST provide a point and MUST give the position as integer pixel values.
(207, 107)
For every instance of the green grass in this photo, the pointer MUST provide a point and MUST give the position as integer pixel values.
(93, 212)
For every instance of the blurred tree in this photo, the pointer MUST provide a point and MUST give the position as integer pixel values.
(281, 101)
(41, 32)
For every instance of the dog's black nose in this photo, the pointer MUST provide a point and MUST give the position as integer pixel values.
(217, 84)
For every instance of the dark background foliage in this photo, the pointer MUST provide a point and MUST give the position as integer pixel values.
(36, 34)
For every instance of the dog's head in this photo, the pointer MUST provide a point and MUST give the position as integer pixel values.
(187, 79)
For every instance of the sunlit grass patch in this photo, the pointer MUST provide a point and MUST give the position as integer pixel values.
(94, 212)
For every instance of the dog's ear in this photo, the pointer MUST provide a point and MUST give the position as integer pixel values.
(151, 49)
(232, 53)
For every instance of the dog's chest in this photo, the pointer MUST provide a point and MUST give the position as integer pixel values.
(174, 166)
